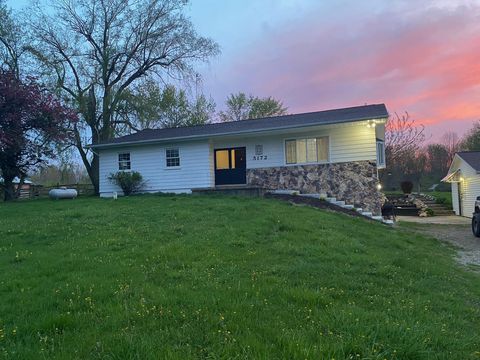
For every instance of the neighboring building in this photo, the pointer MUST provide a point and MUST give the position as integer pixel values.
(337, 152)
(464, 175)
(25, 190)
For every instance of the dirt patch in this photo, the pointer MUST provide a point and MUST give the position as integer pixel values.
(458, 235)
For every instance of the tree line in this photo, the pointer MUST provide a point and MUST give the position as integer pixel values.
(410, 156)
(74, 73)
(94, 71)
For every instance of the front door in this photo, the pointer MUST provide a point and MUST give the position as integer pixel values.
(230, 166)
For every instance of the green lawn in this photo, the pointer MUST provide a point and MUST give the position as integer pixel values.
(192, 277)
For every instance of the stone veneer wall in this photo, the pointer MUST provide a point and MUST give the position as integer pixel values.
(353, 182)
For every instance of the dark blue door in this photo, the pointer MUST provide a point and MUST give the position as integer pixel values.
(230, 166)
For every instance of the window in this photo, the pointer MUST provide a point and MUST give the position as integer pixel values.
(309, 150)
(172, 157)
(221, 159)
(124, 161)
(258, 149)
(380, 153)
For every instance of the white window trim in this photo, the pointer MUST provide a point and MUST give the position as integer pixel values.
(165, 158)
(328, 161)
(118, 161)
(384, 165)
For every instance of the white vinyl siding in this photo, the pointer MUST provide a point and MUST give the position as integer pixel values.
(469, 186)
(346, 143)
(150, 162)
(470, 190)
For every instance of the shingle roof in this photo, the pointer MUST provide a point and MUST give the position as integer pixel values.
(335, 116)
(472, 158)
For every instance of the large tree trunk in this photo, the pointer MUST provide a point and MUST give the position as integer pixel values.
(92, 169)
(94, 174)
(8, 189)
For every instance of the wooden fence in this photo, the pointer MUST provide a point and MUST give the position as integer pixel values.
(40, 191)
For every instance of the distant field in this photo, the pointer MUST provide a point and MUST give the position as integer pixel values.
(192, 277)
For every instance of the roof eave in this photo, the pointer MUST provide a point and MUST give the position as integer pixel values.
(206, 136)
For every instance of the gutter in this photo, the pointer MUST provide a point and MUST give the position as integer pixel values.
(206, 136)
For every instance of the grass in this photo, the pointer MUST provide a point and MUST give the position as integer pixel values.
(446, 195)
(186, 277)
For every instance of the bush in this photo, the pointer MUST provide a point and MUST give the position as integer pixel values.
(407, 187)
(430, 212)
(129, 181)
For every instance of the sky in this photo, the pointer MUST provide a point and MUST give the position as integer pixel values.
(420, 56)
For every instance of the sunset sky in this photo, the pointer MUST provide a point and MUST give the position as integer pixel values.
(418, 56)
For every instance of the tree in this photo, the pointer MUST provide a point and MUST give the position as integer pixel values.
(471, 140)
(451, 143)
(403, 139)
(11, 47)
(97, 50)
(402, 136)
(438, 160)
(243, 107)
(55, 173)
(31, 122)
(265, 107)
(150, 107)
(176, 110)
(413, 166)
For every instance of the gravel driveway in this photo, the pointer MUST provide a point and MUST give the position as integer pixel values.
(456, 231)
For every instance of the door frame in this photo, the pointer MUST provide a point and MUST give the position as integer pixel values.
(244, 148)
(460, 201)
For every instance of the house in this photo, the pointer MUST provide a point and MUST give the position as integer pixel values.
(337, 152)
(464, 175)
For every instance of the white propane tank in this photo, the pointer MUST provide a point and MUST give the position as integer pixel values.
(63, 194)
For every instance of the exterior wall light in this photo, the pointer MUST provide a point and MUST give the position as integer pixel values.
(379, 186)
(371, 123)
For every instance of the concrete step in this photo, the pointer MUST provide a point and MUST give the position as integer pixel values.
(348, 207)
(377, 217)
(367, 214)
(339, 203)
(314, 196)
(285, 192)
(360, 210)
(331, 199)
(388, 222)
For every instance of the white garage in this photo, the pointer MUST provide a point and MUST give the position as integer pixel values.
(464, 175)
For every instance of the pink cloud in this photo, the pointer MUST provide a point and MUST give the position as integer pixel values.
(423, 61)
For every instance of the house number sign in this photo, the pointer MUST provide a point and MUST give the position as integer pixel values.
(259, 153)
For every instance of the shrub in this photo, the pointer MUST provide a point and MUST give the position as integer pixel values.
(407, 187)
(129, 181)
(430, 212)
